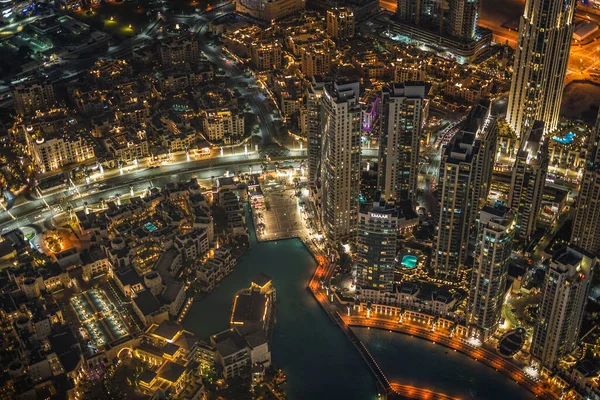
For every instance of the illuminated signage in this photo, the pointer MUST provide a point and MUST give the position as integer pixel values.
(382, 216)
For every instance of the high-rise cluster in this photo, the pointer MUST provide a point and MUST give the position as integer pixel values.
(458, 18)
(465, 174)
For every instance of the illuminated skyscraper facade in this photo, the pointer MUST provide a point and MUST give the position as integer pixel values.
(401, 121)
(465, 173)
(495, 231)
(340, 174)
(586, 233)
(376, 247)
(545, 34)
(528, 180)
(313, 122)
(560, 315)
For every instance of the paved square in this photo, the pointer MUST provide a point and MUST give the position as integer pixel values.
(282, 219)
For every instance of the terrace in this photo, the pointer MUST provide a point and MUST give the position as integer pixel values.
(99, 317)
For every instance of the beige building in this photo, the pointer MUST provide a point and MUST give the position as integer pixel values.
(340, 23)
(179, 50)
(33, 96)
(128, 146)
(266, 56)
(269, 10)
(223, 125)
(53, 152)
(340, 176)
(316, 59)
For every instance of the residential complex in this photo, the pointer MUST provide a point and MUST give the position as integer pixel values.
(33, 96)
(465, 173)
(376, 248)
(340, 23)
(269, 10)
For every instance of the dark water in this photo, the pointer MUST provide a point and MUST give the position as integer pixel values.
(319, 361)
(417, 362)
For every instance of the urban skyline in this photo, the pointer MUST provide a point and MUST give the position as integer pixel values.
(194, 192)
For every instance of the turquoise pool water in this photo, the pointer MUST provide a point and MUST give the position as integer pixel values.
(409, 261)
(567, 139)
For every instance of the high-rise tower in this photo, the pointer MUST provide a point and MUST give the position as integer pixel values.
(586, 230)
(341, 127)
(376, 248)
(560, 315)
(495, 232)
(313, 110)
(465, 173)
(401, 121)
(462, 18)
(528, 180)
(545, 34)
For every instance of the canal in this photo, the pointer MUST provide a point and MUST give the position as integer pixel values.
(320, 362)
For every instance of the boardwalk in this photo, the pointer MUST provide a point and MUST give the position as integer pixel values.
(416, 393)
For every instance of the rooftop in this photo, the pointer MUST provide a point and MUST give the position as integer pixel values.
(147, 302)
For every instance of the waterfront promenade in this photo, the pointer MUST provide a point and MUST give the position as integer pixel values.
(322, 274)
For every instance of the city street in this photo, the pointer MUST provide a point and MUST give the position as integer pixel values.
(34, 212)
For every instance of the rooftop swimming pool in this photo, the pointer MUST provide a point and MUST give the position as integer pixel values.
(567, 139)
(409, 261)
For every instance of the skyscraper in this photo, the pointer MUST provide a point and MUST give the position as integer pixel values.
(458, 18)
(401, 121)
(496, 229)
(340, 23)
(417, 12)
(528, 180)
(545, 34)
(585, 234)
(340, 127)
(376, 250)
(483, 125)
(313, 117)
(561, 310)
(462, 18)
(465, 173)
